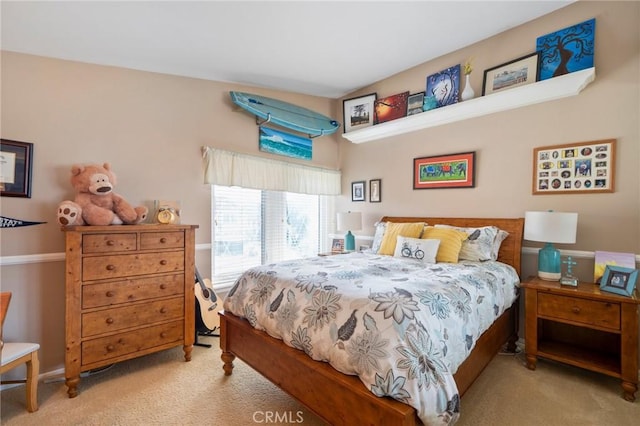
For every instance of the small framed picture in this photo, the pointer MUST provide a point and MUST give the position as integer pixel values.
(357, 191)
(359, 112)
(337, 246)
(375, 188)
(519, 72)
(363, 248)
(414, 104)
(619, 280)
(15, 168)
(391, 107)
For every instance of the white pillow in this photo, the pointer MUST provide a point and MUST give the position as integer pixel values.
(416, 248)
(502, 235)
(377, 237)
(480, 242)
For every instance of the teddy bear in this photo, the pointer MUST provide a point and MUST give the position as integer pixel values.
(95, 202)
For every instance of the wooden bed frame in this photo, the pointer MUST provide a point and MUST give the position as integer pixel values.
(341, 399)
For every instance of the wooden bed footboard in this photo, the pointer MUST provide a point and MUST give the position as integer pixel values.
(333, 395)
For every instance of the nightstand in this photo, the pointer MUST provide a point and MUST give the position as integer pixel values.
(584, 327)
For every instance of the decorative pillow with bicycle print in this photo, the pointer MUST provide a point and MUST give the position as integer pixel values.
(416, 248)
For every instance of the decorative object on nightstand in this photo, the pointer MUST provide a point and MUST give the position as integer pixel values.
(604, 258)
(619, 280)
(550, 227)
(568, 278)
(349, 221)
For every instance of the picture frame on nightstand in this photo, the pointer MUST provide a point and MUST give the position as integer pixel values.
(619, 280)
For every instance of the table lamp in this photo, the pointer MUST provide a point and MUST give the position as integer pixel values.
(349, 221)
(550, 227)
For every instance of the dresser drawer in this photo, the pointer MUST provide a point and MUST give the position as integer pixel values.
(592, 312)
(131, 290)
(160, 240)
(129, 265)
(107, 243)
(131, 342)
(130, 316)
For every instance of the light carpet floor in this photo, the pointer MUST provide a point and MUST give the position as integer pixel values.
(161, 389)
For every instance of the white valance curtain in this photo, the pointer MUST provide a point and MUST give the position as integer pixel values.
(247, 171)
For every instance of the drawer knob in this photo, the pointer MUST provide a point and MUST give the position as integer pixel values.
(109, 320)
(163, 240)
(575, 310)
(163, 262)
(163, 334)
(110, 348)
(111, 242)
(163, 310)
(163, 286)
(110, 293)
(111, 267)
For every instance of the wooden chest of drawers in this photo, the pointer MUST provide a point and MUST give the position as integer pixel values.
(129, 292)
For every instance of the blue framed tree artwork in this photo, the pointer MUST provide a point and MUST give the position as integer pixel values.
(568, 50)
(444, 86)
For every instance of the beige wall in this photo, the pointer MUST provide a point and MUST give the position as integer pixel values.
(504, 142)
(151, 127)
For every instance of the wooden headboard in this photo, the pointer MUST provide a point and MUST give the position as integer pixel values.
(511, 248)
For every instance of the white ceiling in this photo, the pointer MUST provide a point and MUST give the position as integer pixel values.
(320, 48)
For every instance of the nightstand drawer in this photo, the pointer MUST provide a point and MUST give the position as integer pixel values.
(592, 312)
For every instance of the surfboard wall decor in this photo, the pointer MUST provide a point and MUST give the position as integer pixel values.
(286, 115)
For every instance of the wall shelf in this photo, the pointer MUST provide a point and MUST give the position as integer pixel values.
(542, 91)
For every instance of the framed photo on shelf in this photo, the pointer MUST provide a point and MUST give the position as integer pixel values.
(519, 72)
(444, 86)
(337, 246)
(444, 171)
(391, 107)
(359, 112)
(357, 191)
(619, 280)
(375, 190)
(414, 103)
(15, 168)
(584, 167)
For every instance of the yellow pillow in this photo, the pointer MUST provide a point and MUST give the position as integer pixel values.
(450, 242)
(410, 230)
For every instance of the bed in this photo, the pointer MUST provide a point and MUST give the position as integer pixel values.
(333, 395)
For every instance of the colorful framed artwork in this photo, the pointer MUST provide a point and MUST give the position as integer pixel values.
(519, 72)
(358, 191)
(444, 171)
(16, 160)
(358, 112)
(283, 143)
(391, 107)
(568, 50)
(444, 86)
(574, 168)
(609, 258)
(375, 190)
(619, 280)
(414, 103)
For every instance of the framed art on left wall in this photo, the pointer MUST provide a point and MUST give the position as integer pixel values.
(15, 168)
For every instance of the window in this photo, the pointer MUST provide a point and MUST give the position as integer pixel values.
(252, 227)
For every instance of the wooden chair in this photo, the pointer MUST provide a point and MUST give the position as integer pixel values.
(16, 354)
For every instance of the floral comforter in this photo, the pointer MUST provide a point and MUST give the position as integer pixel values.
(401, 325)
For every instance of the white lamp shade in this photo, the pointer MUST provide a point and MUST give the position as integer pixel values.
(551, 227)
(349, 221)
